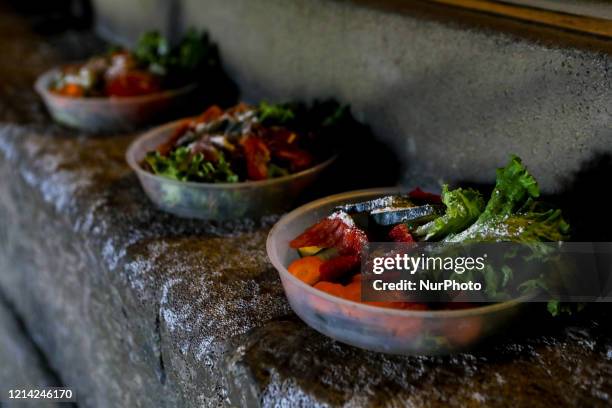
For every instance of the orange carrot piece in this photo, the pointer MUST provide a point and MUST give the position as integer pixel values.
(306, 269)
(352, 291)
(334, 289)
(72, 90)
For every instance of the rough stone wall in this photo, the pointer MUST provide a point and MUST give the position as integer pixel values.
(22, 366)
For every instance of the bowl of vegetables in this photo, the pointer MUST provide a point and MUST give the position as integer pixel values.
(318, 248)
(242, 162)
(124, 89)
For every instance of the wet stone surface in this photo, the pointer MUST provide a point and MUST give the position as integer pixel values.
(133, 307)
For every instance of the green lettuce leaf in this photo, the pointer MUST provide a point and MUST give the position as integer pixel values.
(513, 187)
(181, 165)
(463, 207)
(276, 114)
(513, 214)
(546, 226)
(187, 58)
(153, 51)
(320, 115)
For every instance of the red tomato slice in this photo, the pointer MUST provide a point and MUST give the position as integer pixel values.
(332, 233)
(401, 233)
(419, 194)
(132, 83)
(299, 159)
(338, 267)
(257, 157)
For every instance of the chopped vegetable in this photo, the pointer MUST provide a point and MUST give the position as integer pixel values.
(334, 289)
(512, 214)
(327, 253)
(153, 65)
(132, 83)
(280, 114)
(309, 250)
(338, 267)
(401, 233)
(181, 165)
(242, 143)
(418, 194)
(396, 202)
(463, 206)
(257, 157)
(413, 215)
(306, 269)
(336, 231)
(513, 187)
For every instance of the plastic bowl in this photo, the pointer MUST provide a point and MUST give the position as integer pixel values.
(216, 201)
(109, 114)
(370, 327)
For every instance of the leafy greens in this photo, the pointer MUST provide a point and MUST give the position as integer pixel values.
(463, 206)
(512, 214)
(181, 165)
(193, 53)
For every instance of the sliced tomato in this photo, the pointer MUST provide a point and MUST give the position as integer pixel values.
(298, 159)
(165, 148)
(257, 157)
(132, 83)
(401, 233)
(338, 267)
(333, 233)
(419, 194)
(327, 233)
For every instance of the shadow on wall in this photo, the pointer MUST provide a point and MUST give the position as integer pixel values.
(584, 200)
(51, 17)
(216, 88)
(363, 162)
(462, 138)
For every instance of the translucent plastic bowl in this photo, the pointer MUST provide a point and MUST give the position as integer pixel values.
(370, 327)
(216, 201)
(109, 114)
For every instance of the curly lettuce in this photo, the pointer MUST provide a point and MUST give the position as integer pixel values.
(181, 165)
(463, 207)
(277, 114)
(187, 58)
(513, 214)
(513, 187)
(318, 116)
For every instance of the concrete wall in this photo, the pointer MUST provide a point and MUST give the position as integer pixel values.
(452, 101)
(122, 21)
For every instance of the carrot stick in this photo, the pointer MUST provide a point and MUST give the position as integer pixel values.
(306, 269)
